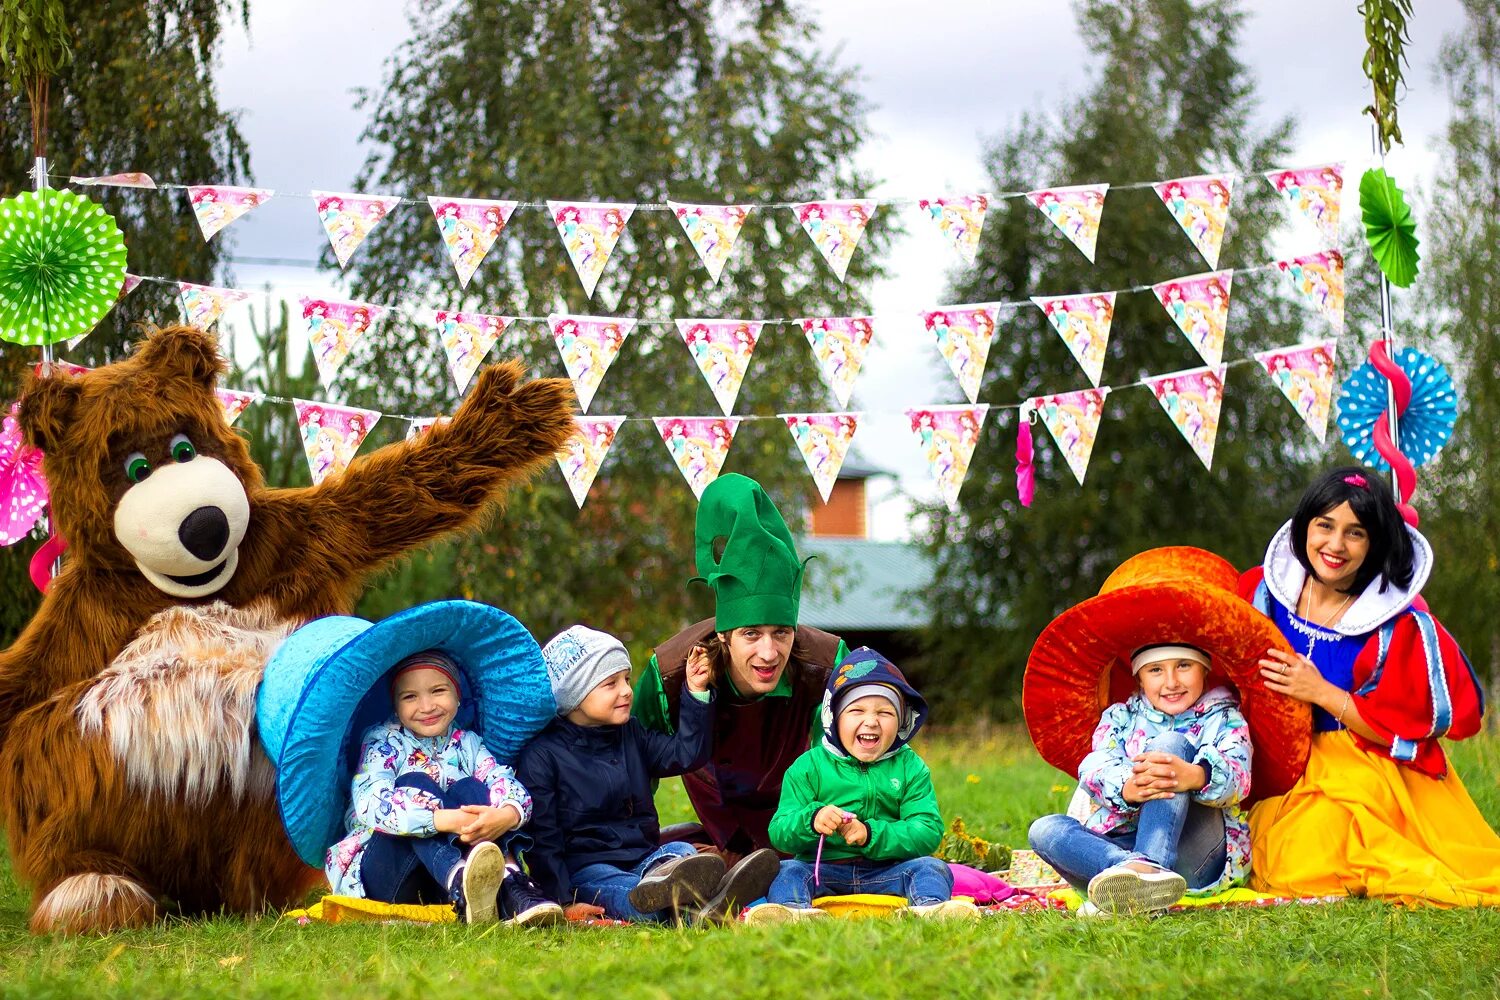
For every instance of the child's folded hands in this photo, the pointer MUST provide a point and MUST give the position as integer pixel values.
(487, 822)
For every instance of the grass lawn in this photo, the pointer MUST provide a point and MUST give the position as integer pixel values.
(993, 780)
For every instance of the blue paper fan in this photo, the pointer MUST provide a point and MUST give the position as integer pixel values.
(1425, 426)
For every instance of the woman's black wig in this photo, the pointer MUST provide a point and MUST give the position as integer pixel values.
(1391, 554)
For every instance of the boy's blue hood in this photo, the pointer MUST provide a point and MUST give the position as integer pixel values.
(865, 666)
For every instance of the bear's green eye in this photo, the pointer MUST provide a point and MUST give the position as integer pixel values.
(136, 467)
(182, 449)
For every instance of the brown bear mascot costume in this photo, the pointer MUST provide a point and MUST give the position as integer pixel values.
(131, 778)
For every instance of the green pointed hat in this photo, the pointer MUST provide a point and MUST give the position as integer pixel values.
(757, 577)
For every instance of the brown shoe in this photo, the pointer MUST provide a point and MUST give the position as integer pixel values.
(744, 883)
(678, 884)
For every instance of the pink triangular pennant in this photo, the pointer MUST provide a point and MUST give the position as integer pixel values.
(202, 306)
(331, 434)
(585, 453)
(948, 436)
(416, 426)
(348, 218)
(1083, 322)
(963, 337)
(1320, 277)
(713, 230)
(1075, 211)
(469, 227)
(333, 328)
(1201, 207)
(823, 439)
(216, 206)
(1316, 192)
(1192, 399)
(722, 349)
(132, 179)
(588, 345)
(1199, 305)
(589, 231)
(960, 219)
(126, 287)
(1072, 418)
(466, 339)
(1304, 374)
(835, 228)
(234, 402)
(839, 344)
(698, 445)
(23, 488)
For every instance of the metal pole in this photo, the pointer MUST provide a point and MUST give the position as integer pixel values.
(40, 176)
(1388, 332)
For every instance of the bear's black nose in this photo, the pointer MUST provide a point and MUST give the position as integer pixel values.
(204, 532)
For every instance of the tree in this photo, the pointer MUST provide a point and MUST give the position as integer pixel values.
(609, 100)
(1460, 288)
(1170, 100)
(137, 95)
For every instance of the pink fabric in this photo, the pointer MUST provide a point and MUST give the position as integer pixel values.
(1025, 472)
(982, 887)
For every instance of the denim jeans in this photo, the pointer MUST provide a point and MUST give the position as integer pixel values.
(416, 869)
(608, 886)
(1177, 833)
(920, 880)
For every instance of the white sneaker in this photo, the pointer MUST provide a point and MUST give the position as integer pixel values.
(1090, 912)
(775, 913)
(1122, 889)
(948, 909)
(483, 871)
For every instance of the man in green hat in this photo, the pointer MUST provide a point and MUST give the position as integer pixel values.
(769, 672)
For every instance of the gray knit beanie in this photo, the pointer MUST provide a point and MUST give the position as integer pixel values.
(577, 659)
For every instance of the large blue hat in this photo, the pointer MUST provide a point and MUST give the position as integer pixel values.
(327, 683)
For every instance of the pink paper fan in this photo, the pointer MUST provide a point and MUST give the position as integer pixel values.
(23, 490)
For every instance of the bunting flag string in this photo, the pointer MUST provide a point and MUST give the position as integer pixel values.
(835, 228)
(202, 305)
(234, 402)
(1075, 211)
(823, 440)
(349, 218)
(948, 436)
(469, 228)
(1199, 305)
(1315, 192)
(960, 219)
(1072, 418)
(331, 434)
(839, 344)
(216, 206)
(1192, 399)
(1083, 322)
(1320, 277)
(698, 445)
(1304, 374)
(963, 337)
(589, 231)
(721, 348)
(466, 339)
(588, 345)
(713, 230)
(334, 328)
(585, 453)
(1201, 207)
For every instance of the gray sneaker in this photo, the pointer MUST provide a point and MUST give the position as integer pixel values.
(678, 884)
(744, 883)
(1122, 889)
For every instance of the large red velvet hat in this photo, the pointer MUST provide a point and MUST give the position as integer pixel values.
(1080, 664)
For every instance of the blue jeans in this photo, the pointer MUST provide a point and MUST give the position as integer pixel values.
(920, 880)
(608, 886)
(1177, 833)
(416, 869)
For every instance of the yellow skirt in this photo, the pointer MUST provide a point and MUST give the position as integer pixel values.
(1358, 823)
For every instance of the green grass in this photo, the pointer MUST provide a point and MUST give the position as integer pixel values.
(992, 779)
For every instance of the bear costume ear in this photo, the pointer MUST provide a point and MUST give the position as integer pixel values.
(186, 350)
(47, 408)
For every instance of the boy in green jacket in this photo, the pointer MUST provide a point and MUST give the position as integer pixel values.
(858, 812)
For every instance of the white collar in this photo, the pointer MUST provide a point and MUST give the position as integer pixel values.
(1372, 609)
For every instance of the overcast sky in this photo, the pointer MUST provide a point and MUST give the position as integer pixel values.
(933, 109)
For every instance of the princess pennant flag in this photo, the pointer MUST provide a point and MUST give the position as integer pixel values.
(234, 402)
(333, 328)
(216, 206)
(698, 445)
(589, 231)
(348, 219)
(823, 439)
(960, 219)
(1199, 305)
(835, 228)
(1320, 278)
(1304, 374)
(469, 227)
(1201, 207)
(331, 434)
(948, 435)
(1192, 399)
(417, 426)
(722, 349)
(466, 339)
(1316, 192)
(132, 281)
(202, 305)
(713, 230)
(839, 345)
(588, 345)
(586, 452)
(1082, 321)
(1075, 211)
(963, 336)
(1072, 418)
(130, 179)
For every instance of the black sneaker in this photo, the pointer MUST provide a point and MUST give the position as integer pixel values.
(744, 883)
(679, 883)
(522, 903)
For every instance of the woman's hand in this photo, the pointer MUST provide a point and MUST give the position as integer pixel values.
(487, 822)
(1295, 676)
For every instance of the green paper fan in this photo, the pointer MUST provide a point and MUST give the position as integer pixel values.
(62, 262)
(1389, 228)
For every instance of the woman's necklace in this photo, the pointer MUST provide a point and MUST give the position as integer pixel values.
(1314, 634)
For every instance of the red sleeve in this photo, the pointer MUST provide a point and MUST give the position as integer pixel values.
(1249, 580)
(1412, 685)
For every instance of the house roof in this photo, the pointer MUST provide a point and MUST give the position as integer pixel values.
(860, 585)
